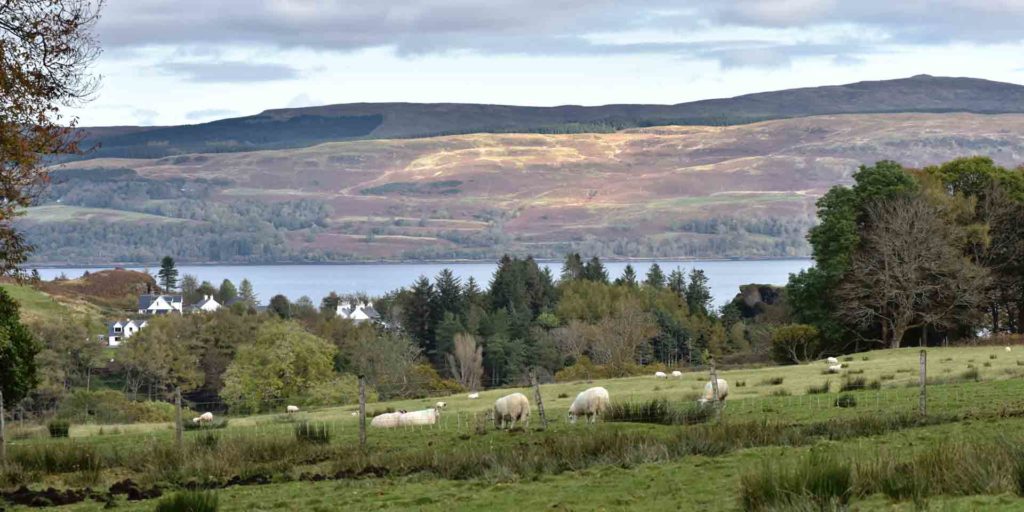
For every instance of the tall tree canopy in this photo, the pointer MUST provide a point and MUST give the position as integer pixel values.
(46, 47)
(17, 353)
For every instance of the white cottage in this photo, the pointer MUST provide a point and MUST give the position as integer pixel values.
(150, 304)
(358, 313)
(121, 330)
(207, 305)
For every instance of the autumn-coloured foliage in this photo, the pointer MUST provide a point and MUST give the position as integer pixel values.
(46, 47)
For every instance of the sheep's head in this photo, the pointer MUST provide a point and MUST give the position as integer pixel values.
(195, 420)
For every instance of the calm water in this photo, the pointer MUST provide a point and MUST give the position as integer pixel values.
(316, 281)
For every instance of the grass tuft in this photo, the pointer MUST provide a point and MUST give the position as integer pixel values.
(189, 501)
(772, 381)
(819, 389)
(312, 433)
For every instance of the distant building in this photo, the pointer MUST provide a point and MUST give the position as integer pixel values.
(150, 304)
(207, 305)
(121, 330)
(357, 313)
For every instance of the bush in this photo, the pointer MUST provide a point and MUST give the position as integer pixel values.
(58, 428)
(312, 433)
(109, 406)
(795, 343)
(772, 381)
(971, 374)
(189, 501)
(741, 383)
(853, 384)
(845, 401)
(819, 389)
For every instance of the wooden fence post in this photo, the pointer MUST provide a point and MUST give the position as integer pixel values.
(714, 388)
(362, 413)
(923, 401)
(540, 402)
(3, 431)
(178, 427)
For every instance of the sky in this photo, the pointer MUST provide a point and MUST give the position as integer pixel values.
(191, 61)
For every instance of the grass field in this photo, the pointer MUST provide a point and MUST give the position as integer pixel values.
(38, 306)
(465, 464)
(62, 213)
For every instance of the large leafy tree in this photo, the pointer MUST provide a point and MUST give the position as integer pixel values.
(283, 363)
(18, 349)
(46, 47)
(842, 215)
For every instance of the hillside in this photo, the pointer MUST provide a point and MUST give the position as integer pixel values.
(683, 191)
(303, 127)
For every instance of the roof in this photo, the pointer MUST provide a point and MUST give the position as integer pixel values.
(206, 301)
(147, 299)
(371, 312)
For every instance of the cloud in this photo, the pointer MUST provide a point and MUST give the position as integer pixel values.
(229, 71)
(420, 26)
(210, 113)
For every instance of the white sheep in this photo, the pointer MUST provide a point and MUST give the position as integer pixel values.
(590, 403)
(386, 420)
(441, 405)
(709, 392)
(423, 417)
(355, 414)
(1008, 349)
(511, 408)
(291, 409)
(474, 396)
(831, 361)
(660, 375)
(836, 368)
(204, 418)
(677, 374)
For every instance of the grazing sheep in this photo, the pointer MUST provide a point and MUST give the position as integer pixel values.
(291, 408)
(355, 414)
(836, 368)
(423, 417)
(677, 374)
(511, 408)
(440, 405)
(206, 417)
(1008, 349)
(590, 403)
(709, 392)
(386, 420)
(660, 375)
(474, 396)
(831, 361)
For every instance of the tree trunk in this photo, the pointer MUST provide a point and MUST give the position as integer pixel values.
(897, 335)
(924, 335)
(995, 317)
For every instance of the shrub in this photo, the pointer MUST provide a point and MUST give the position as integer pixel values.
(189, 501)
(848, 359)
(563, 395)
(58, 428)
(108, 406)
(819, 389)
(312, 433)
(795, 343)
(853, 384)
(772, 381)
(992, 356)
(741, 383)
(845, 401)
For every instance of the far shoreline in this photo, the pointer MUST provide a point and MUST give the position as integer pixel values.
(56, 266)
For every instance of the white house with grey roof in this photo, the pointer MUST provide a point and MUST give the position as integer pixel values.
(151, 304)
(358, 313)
(207, 305)
(121, 330)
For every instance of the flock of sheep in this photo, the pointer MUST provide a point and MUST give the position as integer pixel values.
(508, 410)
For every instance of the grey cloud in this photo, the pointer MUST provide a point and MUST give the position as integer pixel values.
(210, 113)
(543, 27)
(229, 71)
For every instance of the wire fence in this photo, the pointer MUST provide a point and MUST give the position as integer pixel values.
(967, 398)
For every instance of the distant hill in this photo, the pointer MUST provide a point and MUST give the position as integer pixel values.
(740, 191)
(304, 127)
